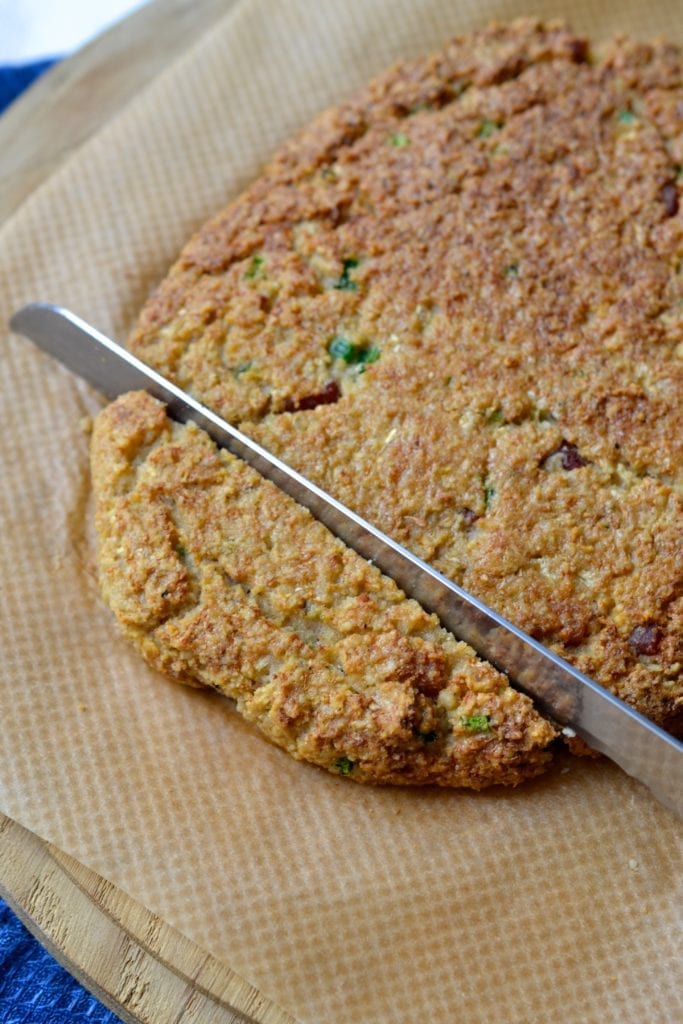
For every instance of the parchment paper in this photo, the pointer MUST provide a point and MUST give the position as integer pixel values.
(555, 902)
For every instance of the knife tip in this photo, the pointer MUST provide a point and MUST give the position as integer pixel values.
(20, 319)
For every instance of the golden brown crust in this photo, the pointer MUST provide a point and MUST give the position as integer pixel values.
(494, 234)
(220, 579)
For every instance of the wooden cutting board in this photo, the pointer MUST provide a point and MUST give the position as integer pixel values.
(137, 965)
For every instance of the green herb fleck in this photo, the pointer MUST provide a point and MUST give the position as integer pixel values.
(342, 348)
(344, 283)
(344, 765)
(545, 416)
(181, 551)
(243, 367)
(495, 418)
(476, 723)
(399, 140)
(429, 737)
(448, 381)
(369, 355)
(512, 270)
(254, 267)
(626, 117)
(489, 495)
(488, 128)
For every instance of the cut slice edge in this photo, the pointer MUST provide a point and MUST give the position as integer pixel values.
(219, 579)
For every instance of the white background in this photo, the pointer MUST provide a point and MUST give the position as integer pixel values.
(33, 29)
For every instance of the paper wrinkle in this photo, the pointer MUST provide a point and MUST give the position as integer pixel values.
(340, 903)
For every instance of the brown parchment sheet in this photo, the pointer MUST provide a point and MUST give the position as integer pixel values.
(556, 902)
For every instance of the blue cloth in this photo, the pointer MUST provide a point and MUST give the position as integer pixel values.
(34, 989)
(14, 78)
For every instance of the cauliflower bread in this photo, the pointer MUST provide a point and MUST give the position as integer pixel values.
(456, 303)
(220, 578)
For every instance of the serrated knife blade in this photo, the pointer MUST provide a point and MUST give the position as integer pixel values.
(606, 723)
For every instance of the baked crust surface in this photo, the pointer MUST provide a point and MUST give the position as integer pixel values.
(222, 580)
(456, 303)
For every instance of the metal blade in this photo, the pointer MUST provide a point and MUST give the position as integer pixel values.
(608, 724)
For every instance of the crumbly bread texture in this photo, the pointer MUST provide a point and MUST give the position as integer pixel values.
(222, 580)
(456, 303)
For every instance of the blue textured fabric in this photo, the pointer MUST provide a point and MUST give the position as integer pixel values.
(14, 78)
(34, 989)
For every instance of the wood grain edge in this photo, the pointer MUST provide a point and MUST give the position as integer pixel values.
(133, 962)
(80, 94)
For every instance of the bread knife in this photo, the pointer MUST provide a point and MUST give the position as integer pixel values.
(577, 703)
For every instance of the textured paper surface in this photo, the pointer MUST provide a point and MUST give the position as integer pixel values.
(556, 902)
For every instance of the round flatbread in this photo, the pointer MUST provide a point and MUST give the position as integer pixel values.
(456, 303)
